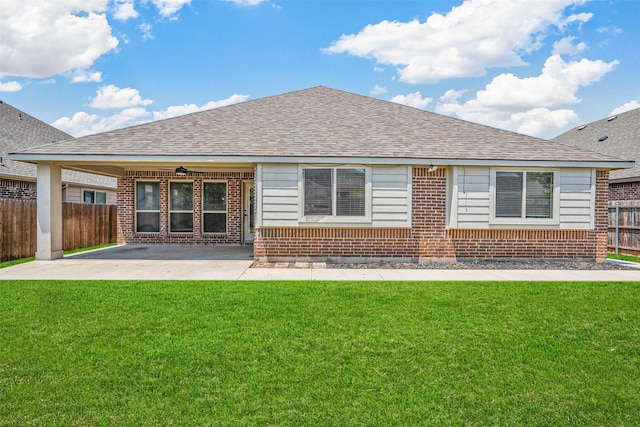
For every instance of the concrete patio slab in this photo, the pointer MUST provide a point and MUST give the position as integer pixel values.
(167, 262)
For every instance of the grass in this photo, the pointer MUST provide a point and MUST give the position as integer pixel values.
(73, 251)
(319, 353)
(624, 257)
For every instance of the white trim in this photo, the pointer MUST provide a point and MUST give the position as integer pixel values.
(135, 206)
(203, 211)
(121, 160)
(453, 206)
(409, 196)
(592, 207)
(170, 211)
(523, 221)
(334, 219)
(258, 195)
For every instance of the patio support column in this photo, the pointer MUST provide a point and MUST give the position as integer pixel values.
(49, 211)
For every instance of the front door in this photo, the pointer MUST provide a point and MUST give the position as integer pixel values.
(248, 221)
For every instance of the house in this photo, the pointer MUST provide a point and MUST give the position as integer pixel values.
(325, 174)
(20, 131)
(617, 135)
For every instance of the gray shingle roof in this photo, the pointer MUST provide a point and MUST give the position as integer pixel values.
(319, 122)
(20, 131)
(623, 140)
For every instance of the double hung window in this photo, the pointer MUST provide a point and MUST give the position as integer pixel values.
(214, 207)
(147, 207)
(337, 192)
(181, 207)
(524, 195)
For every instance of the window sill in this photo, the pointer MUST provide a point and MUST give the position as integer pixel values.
(523, 222)
(334, 220)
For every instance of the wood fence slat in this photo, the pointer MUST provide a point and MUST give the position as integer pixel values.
(83, 225)
(628, 227)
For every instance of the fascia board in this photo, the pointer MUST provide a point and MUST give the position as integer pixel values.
(123, 159)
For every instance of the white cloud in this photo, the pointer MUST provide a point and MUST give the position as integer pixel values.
(579, 18)
(111, 96)
(123, 10)
(610, 30)
(540, 121)
(169, 8)
(145, 29)
(73, 33)
(84, 76)
(460, 43)
(525, 104)
(179, 110)
(245, 2)
(566, 46)
(12, 86)
(631, 105)
(377, 90)
(82, 123)
(414, 99)
(557, 85)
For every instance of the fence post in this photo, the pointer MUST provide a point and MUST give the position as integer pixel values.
(617, 226)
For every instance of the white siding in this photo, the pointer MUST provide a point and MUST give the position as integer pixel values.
(472, 187)
(471, 199)
(73, 194)
(391, 196)
(280, 195)
(576, 198)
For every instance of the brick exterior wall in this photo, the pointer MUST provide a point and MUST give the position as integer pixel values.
(624, 191)
(126, 208)
(20, 190)
(429, 238)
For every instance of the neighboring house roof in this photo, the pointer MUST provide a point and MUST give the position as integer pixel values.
(312, 125)
(622, 134)
(20, 131)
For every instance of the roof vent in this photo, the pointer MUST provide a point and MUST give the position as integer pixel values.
(612, 118)
(603, 138)
(582, 127)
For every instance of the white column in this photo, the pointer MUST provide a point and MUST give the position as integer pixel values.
(49, 235)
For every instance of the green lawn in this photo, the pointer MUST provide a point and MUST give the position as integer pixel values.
(319, 353)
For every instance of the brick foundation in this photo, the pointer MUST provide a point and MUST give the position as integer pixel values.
(126, 208)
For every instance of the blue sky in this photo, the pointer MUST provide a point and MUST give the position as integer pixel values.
(537, 67)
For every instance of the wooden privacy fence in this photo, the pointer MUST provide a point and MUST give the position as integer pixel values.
(83, 225)
(624, 227)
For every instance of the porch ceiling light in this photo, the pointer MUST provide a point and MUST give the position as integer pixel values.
(181, 171)
(432, 168)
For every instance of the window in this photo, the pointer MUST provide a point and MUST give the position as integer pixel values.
(181, 207)
(339, 192)
(147, 207)
(214, 207)
(97, 197)
(524, 195)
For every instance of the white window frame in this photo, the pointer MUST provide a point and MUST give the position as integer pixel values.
(136, 210)
(172, 211)
(523, 220)
(333, 218)
(226, 211)
(95, 193)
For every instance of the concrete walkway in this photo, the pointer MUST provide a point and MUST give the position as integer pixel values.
(233, 263)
